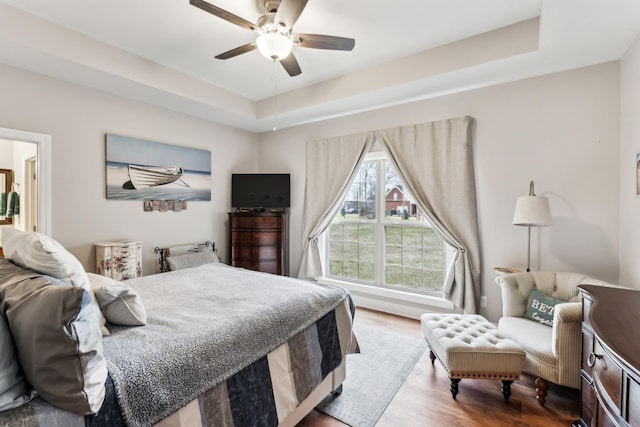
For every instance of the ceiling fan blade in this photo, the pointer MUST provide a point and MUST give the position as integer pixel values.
(319, 41)
(288, 13)
(290, 64)
(223, 14)
(237, 51)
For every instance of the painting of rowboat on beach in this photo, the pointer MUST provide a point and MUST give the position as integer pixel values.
(139, 169)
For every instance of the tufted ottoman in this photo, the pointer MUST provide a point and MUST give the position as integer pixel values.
(469, 346)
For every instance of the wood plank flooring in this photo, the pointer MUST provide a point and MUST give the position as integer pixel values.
(424, 398)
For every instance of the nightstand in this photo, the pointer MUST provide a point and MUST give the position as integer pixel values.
(120, 260)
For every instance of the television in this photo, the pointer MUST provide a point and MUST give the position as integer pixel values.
(260, 190)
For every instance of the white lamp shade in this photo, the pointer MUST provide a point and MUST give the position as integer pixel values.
(274, 45)
(532, 211)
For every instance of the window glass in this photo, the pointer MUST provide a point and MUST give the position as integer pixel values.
(379, 236)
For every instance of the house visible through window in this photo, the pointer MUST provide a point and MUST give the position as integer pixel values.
(380, 238)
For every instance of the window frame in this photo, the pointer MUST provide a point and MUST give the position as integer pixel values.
(380, 222)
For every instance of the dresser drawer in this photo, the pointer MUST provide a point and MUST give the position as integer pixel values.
(605, 419)
(124, 251)
(251, 222)
(588, 402)
(256, 252)
(255, 239)
(607, 376)
(587, 349)
(264, 266)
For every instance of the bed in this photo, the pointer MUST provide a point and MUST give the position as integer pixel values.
(214, 345)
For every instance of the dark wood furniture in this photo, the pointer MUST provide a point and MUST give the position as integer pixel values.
(610, 390)
(260, 241)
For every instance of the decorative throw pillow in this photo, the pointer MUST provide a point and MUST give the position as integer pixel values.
(119, 303)
(541, 307)
(58, 340)
(14, 391)
(195, 259)
(43, 254)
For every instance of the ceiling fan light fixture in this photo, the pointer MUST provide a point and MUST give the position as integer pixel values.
(274, 45)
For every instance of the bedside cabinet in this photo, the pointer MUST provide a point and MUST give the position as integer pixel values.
(119, 260)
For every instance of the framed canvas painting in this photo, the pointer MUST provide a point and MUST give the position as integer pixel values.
(139, 169)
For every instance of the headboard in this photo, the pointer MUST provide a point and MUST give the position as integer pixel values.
(182, 249)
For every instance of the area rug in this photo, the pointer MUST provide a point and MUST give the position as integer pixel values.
(374, 375)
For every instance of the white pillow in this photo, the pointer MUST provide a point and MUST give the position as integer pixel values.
(43, 254)
(192, 260)
(13, 387)
(120, 304)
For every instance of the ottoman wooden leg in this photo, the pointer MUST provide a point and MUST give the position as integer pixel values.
(506, 389)
(454, 387)
(432, 356)
(541, 390)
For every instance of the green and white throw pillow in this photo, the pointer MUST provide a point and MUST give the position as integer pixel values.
(541, 307)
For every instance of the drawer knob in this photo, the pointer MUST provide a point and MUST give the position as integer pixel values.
(591, 360)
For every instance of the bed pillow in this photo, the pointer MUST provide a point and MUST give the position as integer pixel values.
(119, 303)
(14, 391)
(195, 259)
(43, 254)
(541, 307)
(58, 341)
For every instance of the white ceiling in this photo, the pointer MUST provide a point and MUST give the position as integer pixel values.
(162, 51)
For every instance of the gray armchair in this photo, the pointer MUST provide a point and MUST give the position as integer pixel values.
(553, 353)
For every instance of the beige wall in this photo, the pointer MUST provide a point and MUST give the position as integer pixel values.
(629, 147)
(560, 130)
(77, 119)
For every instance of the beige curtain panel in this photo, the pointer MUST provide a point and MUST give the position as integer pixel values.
(332, 164)
(435, 162)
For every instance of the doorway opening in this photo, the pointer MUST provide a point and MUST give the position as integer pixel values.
(35, 179)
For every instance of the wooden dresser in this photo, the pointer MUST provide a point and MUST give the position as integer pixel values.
(119, 260)
(610, 375)
(260, 241)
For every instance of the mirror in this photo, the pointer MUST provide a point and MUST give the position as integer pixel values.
(6, 179)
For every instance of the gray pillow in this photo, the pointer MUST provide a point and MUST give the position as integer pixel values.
(14, 391)
(119, 303)
(57, 337)
(192, 260)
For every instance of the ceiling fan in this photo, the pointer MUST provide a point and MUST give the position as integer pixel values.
(275, 40)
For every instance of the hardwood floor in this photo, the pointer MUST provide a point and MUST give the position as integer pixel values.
(424, 398)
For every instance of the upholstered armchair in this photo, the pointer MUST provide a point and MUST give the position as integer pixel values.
(553, 352)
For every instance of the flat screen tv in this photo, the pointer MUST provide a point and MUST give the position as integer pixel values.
(260, 190)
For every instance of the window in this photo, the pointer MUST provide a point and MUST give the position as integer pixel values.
(380, 238)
